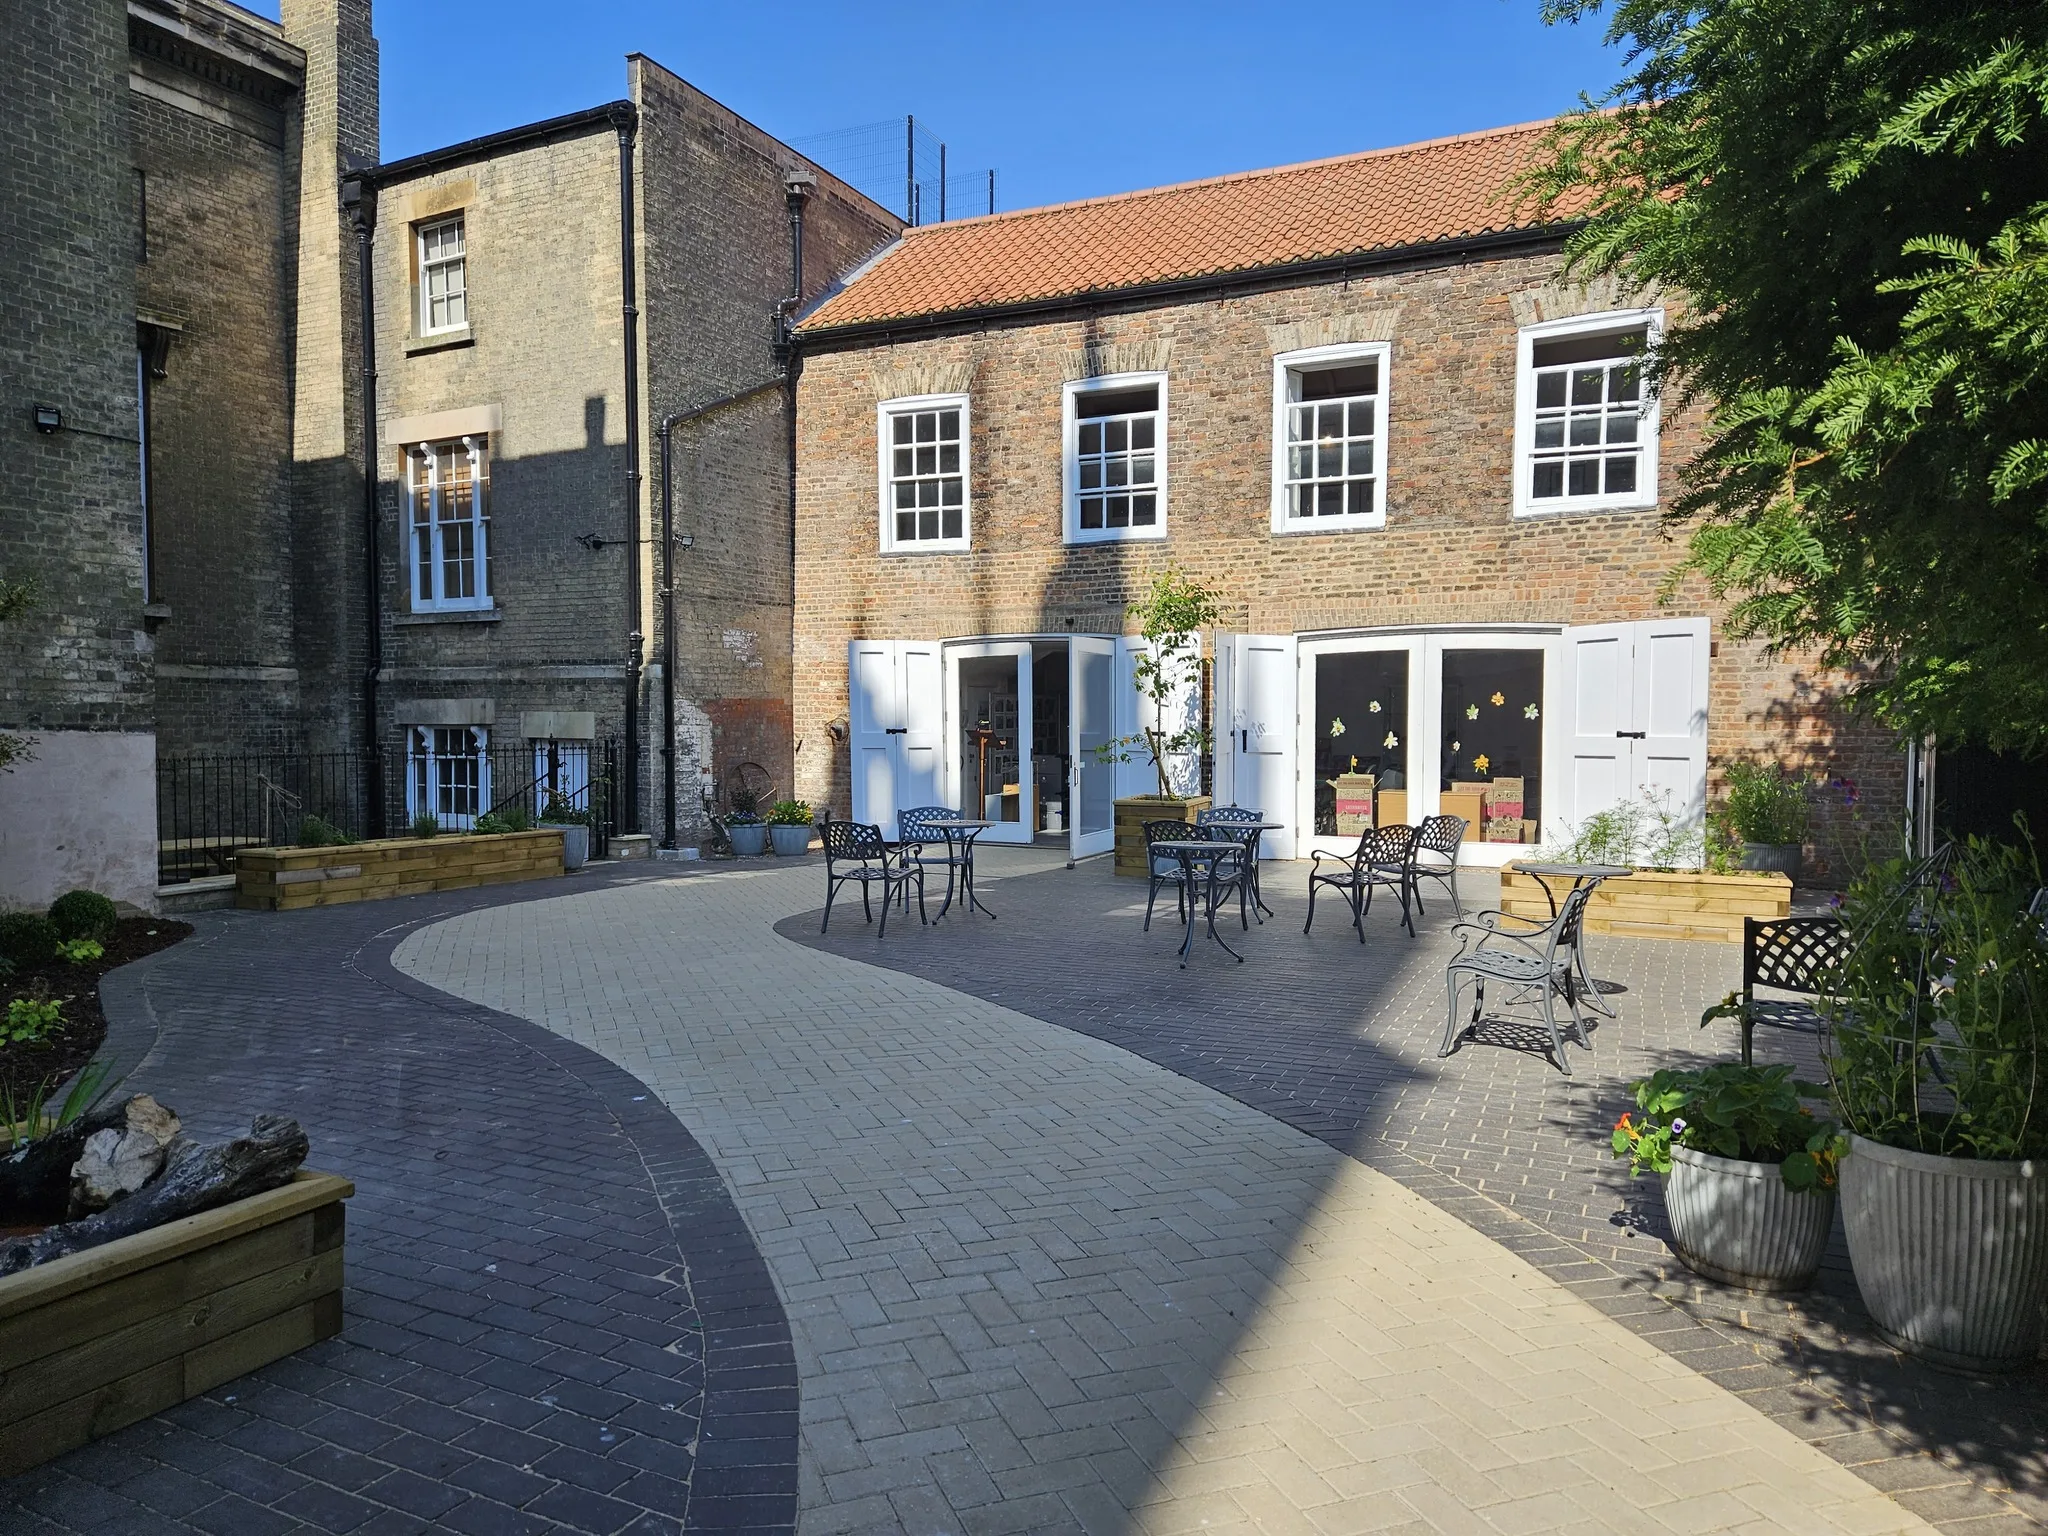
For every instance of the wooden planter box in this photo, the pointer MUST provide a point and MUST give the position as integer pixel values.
(96, 1340)
(1653, 905)
(1133, 813)
(282, 879)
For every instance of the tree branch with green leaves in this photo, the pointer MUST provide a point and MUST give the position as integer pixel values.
(1171, 617)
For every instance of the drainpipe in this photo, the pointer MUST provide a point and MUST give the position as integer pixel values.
(359, 198)
(626, 122)
(797, 185)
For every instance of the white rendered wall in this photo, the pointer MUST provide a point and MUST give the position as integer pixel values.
(81, 814)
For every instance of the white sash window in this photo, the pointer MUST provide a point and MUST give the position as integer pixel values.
(448, 774)
(444, 276)
(449, 551)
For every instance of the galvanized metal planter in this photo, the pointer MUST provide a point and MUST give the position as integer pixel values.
(1950, 1253)
(791, 840)
(1736, 1222)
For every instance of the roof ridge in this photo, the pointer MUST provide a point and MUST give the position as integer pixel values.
(1260, 173)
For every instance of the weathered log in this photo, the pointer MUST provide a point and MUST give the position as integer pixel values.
(35, 1177)
(195, 1178)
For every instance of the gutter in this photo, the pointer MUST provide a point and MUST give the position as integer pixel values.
(506, 140)
(903, 327)
(624, 119)
(359, 198)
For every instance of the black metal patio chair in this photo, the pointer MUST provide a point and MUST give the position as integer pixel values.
(1434, 856)
(854, 850)
(1218, 817)
(916, 838)
(1164, 868)
(1539, 965)
(1783, 955)
(1381, 859)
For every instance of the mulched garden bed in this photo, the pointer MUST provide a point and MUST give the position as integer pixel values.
(84, 1029)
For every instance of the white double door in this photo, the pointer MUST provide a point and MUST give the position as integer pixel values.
(1638, 717)
(929, 719)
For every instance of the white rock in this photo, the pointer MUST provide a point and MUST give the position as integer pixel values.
(115, 1163)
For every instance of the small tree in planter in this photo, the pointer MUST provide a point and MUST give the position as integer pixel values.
(1762, 821)
(1937, 1056)
(789, 828)
(1749, 1171)
(1171, 617)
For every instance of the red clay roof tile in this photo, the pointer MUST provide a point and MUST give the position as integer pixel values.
(1383, 199)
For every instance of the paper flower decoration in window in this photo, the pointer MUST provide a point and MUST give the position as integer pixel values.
(1481, 763)
(1498, 699)
(1374, 706)
(1337, 725)
(1529, 711)
(1471, 711)
(1454, 746)
(1391, 742)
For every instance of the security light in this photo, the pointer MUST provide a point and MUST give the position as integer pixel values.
(48, 418)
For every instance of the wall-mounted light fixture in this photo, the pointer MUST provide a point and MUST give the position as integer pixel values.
(48, 418)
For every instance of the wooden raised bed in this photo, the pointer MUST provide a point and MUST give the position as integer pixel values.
(1651, 904)
(283, 879)
(96, 1340)
(1132, 814)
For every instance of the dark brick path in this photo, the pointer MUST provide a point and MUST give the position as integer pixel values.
(555, 1320)
(1339, 1040)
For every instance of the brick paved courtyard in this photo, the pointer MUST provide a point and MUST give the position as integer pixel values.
(1050, 1235)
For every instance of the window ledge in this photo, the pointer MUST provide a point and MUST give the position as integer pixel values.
(440, 341)
(1307, 529)
(453, 616)
(1585, 509)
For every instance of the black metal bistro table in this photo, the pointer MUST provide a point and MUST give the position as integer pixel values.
(960, 834)
(1254, 830)
(1205, 851)
(1576, 875)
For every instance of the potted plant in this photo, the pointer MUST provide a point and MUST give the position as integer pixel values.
(1763, 817)
(1749, 1171)
(789, 828)
(1937, 1056)
(1170, 618)
(574, 825)
(743, 824)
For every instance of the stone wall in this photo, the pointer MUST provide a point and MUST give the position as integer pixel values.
(1450, 553)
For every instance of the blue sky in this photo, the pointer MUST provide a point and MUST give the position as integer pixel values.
(1066, 98)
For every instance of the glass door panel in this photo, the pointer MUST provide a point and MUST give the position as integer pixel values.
(1093, 785)
(1491, 727)
(1362, 747)
(991, 738)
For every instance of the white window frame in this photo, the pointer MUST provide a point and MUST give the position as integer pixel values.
(422, 761)
(1313, 360)
(1644, 496)
(885, 413)
(419, 236)
(416, 455)
(1070, 453)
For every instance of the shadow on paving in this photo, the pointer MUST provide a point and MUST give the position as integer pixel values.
(554, 1318)
(1339, 1040)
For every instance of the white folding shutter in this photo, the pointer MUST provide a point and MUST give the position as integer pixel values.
(1263, 734)
(1223, 749)
(1133, 713)
(1670, 696)
(1601, 668)
(874, 687)
(920, 743)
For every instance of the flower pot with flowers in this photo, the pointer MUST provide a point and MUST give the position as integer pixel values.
(789, 828)
(743, 823)
(1937, 1053)
(1749, 1171)
(1761, 823)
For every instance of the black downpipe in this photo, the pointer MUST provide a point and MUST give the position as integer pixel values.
(626, 121)
(360, 199)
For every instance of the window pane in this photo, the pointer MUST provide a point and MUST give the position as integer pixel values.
(901, 427)
(1091, 474)
(1141, 471)
(1361, 727)
(1497, 763)
(1549, 390)
(1144, 511)
(1116, 402)
(927, 493)
(906, 526)
(1588, 385)
(1300, 420)
(1117, 471)
(1549, 479)
(1361, 498)
(1361, 418)
(1621, 473)
(1117, 512)
(1329, 460)
(927, 426)
(1330, 421)
(1550, 434)
(1627, 384)
(1330, 499)
(1301, 463)
(1141, 432)
(949, 459)
(1361, 459)
(903, 459)
(1585, 429)
(1091, 512)
(906, 494)
(949, 425)
(1337, 383)
(1116, 436)
(1091, 437)
(1621, 427)
(928, 523)
(950, 522)
(949, 492)
(1585, 477)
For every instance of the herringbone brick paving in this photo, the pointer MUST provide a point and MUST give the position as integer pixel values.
(1037, 1284)
(554, 1319)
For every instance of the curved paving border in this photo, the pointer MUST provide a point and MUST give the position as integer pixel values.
(555, 1318)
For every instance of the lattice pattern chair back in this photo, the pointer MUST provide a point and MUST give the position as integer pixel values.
(913, 825)
(1792, 954)
(853, 840)
(1387, 846)
(1167, 832)
(1228, 815)
(1441, 834)
(1570, 926)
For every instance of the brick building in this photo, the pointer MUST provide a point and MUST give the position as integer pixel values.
(1354, 397)
(184, 438)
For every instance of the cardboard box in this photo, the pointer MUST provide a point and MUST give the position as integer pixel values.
(1504, 799)
(1467, 803)
(1354, 802)
(1392, 808)
(1504, 829)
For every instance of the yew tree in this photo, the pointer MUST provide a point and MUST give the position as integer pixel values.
(1851, 199)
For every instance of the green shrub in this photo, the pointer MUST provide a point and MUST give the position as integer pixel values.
(490, 822)
(1765, 804)
(318, 832)
(790, 813)
(426, 824)
(83, 915)
(31, 1020)
(27, 938)
(559, 812)
(82, 951)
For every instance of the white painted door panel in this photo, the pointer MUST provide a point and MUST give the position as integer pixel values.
(1601, 667)
(1262, 725)
(1639, 716)
(1091, 695)
(874, 689)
